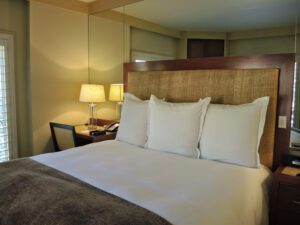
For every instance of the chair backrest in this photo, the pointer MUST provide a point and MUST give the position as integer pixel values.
(63, 136)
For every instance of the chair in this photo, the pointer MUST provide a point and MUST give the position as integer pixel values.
(63, 136)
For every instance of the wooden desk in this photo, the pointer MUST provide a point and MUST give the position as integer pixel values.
(82, 133)
(83, 136)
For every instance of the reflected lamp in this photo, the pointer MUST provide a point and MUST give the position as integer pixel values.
(116, 94)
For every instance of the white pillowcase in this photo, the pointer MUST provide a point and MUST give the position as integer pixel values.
(133, 124)
(176, 127)
(232, 133)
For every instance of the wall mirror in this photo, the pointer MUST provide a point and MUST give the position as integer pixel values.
(193, 28)
(295, 121)
(146, 31)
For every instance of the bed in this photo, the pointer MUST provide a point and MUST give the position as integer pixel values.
(118, 183)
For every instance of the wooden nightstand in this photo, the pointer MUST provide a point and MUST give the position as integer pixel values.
(285, 197)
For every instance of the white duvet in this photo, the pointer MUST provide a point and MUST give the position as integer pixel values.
(184, 191)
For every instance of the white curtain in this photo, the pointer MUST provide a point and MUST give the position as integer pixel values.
(5, 129)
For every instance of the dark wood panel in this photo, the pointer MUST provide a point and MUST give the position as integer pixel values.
(283, 62)
(287, 218)
(288, 197)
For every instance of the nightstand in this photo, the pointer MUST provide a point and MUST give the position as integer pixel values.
(285, 197)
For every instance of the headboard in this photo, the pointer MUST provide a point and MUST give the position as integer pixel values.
(228, 80)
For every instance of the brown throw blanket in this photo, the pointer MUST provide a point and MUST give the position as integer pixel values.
(34, 194)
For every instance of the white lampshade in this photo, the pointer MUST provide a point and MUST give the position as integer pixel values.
(116, 92)
(92, 93)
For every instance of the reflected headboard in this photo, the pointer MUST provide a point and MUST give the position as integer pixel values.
(228, 80)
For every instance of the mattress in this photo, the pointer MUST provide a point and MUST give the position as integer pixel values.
(182, 190)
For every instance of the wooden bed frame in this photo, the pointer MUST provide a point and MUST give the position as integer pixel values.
(284, 62)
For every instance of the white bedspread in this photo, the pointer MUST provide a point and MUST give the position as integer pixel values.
(182, 190)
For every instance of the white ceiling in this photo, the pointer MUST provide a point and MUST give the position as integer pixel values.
(216, 15)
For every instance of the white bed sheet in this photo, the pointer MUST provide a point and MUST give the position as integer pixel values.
(184, 191)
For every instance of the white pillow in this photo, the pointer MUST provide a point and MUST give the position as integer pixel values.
(176, 127)
(133, 124)
(231, 133)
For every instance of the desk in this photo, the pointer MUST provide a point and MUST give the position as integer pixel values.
(83, 136)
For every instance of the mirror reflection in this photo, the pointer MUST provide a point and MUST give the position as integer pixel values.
(146, 31)
(295, 122)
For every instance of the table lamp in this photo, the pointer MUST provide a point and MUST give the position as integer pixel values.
(116, 93)
(92, 94)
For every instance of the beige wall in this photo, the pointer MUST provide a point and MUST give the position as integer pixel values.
(107, 54)
(59, 65)
(14, 20)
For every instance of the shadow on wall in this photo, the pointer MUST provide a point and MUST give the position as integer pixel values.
(55, 97)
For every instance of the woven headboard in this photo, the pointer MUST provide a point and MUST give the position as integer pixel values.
(225, 85)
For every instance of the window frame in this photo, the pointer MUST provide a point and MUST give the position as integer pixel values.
(13, 142)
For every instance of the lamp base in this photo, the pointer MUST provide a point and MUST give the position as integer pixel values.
(92, 127)
(93, 121)
(118, 110)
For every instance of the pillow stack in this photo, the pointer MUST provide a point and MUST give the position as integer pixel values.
(225, 133)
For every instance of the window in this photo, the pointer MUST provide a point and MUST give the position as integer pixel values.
(8, 134)
(197, 48)
(137, 56)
